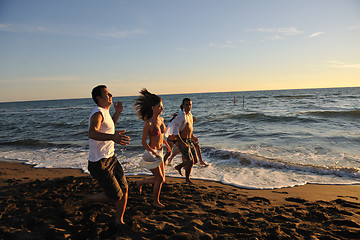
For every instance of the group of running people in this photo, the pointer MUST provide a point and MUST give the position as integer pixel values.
(107, 170)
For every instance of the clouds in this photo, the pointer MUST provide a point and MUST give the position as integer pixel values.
(121, 34)
(315, 34)
(72, 30)
(283, 33)
(354, 27)
(60, 42)
(46, 79)
(22, 28)
(337, 64)
(277, 33)
(226, 44)
(271, 34)
(287, 31)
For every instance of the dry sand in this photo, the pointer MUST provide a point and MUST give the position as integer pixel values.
(47, 204)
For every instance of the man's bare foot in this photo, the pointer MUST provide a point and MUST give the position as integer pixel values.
(179, 170)
(188, 181)
(119, 222)
(158, 205)
(204, 164)
(122, 227)
(139, 188)
(87, 200)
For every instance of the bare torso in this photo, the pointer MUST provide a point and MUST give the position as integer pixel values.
(156, 142)
(188, 129)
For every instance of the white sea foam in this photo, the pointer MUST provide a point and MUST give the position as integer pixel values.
(250, 172)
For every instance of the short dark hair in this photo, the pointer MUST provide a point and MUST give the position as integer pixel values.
(184, 100)
(96, 92)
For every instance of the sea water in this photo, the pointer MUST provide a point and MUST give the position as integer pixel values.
(255, 140)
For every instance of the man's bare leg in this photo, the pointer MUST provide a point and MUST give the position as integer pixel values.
(167, 154)
(188, 168)
(140, 183)
(120, 209)
(119, 204)
(177, 151)
(199, 154)
(178, 168)
(97, 197)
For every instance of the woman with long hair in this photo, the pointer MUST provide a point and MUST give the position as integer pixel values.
(149, 108)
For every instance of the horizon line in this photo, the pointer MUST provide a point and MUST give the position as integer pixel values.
(166, 94)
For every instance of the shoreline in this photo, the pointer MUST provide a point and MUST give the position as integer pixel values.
(41, 203)
(21, 172)
(34, 172)
(74, 170)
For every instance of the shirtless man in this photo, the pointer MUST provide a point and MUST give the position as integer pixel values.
(182, 128)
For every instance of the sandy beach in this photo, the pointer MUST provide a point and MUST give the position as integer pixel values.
(47, 204)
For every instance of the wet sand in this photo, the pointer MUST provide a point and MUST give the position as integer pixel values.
(47, 204)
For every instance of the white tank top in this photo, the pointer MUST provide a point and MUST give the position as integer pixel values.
(102, 149)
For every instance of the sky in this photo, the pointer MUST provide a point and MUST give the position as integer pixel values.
(51, 49)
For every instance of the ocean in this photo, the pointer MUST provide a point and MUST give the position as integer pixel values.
(253, 139)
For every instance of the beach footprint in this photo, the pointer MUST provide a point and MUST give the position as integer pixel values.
(296, 200)
(259, 200)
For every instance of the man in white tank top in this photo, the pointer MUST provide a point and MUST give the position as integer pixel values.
(103, 164)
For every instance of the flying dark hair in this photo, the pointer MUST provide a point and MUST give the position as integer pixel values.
(184, 100)
(144, 103)
(96, 92)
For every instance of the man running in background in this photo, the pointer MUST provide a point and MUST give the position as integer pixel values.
(182, 128)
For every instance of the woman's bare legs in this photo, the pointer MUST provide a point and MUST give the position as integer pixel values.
(157, 181)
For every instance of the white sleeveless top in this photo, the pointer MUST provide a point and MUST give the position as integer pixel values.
(102, 149)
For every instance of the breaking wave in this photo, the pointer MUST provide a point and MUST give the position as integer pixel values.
(258, 161)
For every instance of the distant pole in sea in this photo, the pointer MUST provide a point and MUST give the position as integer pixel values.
(243, 101)
(234, 100)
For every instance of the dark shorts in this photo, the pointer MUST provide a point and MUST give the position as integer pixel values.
(189, 153)
(173, 141)
(110, 175)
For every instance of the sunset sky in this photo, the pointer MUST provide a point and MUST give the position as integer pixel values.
(51, 49)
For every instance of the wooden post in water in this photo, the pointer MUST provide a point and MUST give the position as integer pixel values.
(243, 101)
(234, 100)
